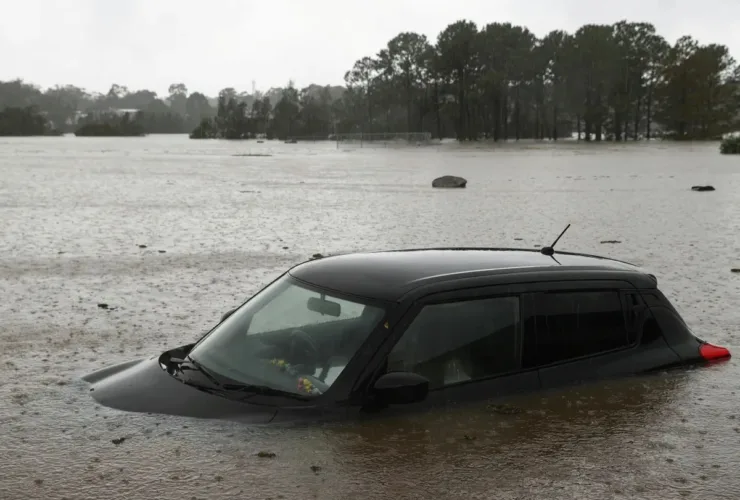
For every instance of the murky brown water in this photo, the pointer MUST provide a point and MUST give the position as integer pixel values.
(73, 212)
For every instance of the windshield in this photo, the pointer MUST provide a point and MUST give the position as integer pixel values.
(289, 338)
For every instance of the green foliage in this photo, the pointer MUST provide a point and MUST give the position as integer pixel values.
(205, 130)
(730, 145)
(499, 81)
(615, 81)
(15, 121)
(161, 122)
(111, 126)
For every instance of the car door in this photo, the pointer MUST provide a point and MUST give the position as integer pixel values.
(584, 330)
(467, 342)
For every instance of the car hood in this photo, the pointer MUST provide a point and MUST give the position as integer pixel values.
(144, 386)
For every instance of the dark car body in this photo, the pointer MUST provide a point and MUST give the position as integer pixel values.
(450, 326)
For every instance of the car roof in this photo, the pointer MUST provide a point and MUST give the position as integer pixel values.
(388, 275)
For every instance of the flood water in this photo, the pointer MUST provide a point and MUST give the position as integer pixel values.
(217, 227)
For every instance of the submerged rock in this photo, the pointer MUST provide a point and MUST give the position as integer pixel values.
(449, 181)
(702, 188)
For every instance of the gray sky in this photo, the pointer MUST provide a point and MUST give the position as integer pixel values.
(222, 43)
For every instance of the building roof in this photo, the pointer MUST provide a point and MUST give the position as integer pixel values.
(390, 274)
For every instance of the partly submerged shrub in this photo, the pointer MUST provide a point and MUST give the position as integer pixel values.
(730, 145)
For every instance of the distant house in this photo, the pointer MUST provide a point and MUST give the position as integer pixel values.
(80, 115)
(121, 112)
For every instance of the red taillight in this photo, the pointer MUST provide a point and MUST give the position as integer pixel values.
(712, 352)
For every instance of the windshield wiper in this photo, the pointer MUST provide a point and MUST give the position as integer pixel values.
(197, 367)
(253, 389)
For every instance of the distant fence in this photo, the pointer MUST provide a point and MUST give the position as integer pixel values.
(310, 138)
(384, 139)
(362, 139)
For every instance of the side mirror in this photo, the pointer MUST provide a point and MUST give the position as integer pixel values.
(401, 388)
(227, 314)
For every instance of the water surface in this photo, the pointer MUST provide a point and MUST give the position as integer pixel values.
(74, 213)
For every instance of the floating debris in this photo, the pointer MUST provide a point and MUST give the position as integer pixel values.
(162, 251)
(266, 454)
(610, 242)
(252, 154)
(103, 305)
(735, 270)
(118, 441)
(315, 469)
(142, 246)
(702, 188)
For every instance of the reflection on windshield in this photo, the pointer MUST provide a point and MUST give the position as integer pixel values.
(288, 337)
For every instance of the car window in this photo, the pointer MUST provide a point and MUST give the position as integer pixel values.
(460, 341)
(567, 325)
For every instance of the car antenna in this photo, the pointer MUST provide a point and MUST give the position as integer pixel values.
(551, 249)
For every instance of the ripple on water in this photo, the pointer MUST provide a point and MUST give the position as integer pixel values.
(75, 212)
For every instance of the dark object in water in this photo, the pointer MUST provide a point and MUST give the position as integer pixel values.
(103, 305)
(449, 181)
(607, 242)
(730, 145)
(735, 270)
(495, 323)
(504, 409)
(702, 188)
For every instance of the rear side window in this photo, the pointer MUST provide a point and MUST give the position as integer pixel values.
(457, 342)
(568, 325)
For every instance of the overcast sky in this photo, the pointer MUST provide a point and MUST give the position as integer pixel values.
(222, 43)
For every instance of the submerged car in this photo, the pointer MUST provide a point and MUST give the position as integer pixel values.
(384, 332)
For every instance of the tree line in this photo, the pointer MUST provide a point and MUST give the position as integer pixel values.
(499, 81)
(619, 81)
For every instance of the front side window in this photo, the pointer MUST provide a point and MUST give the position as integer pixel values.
(460, 341)
(568, 325)
(289, 337)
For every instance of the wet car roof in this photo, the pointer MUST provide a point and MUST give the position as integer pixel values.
(388, 275)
